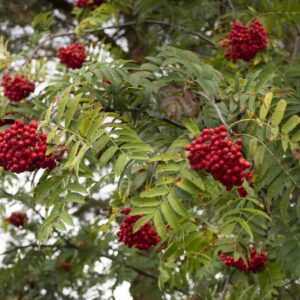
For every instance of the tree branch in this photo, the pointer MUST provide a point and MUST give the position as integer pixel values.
(172, 122)
(119, 26)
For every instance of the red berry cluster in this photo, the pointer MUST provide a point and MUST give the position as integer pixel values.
(17, 219)
(255, 261)
(67, 266)
(22, 149)
(244, 42)
(143, 239)
(91, 4)
(214, 153)
(73, 55)
(16, 88)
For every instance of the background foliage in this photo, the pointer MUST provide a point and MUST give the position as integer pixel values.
(169, 80)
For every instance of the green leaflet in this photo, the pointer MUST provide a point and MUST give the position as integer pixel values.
(178, 143)
(139, 146)
(194, 241)
(177, 205)
(145, 202)
(142, 211)
(100, 143)
(296, 136)
(187, 186)
(77, 160)
(155, 192)
(191, 126)
(285, 142)
(273, 134)
(72, 105)
(120, 164)
(163, 180)
(167, 156)
(62, 102)
(107, 155)
(278, 113)
(169, 215)
(75, 197)
(256, 212)
(67, 218)
(246, 227)
(42, 22)
(252, 147)
(142, 221)
(159, 225)
(138, 155)
(72, 155)
(290, 124)
(259, 155)
(77, 187)
(193, 177)
(169, 167)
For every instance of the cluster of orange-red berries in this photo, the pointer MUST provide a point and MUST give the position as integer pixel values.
(255, 261)
(23, 149)
(73, 55)
(17, 219)
(214, 153)
(244, 42)
(143, 239)
(16, 88)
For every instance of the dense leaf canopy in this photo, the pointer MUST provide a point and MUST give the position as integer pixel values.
(155, 75)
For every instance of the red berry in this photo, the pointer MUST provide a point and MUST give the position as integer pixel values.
(17, 219)
(244, 42)
(73, 55)
(91, 4)
(242, 192)
(17, 88)
(25, 151)
(67, 266)
(255, 261)
(142, 239)
(214, 153)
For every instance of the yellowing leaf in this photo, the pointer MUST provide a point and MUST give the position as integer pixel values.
(265, 106)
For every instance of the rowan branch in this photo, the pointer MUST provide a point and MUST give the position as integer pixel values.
(119, 26)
